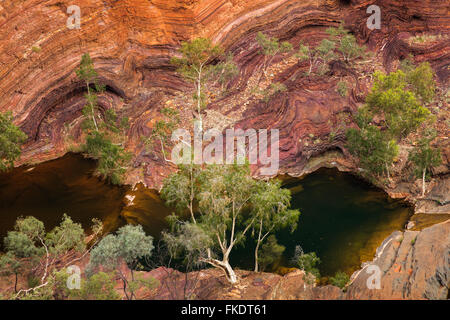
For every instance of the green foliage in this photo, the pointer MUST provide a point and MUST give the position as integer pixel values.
(224, 71)
(24, 241)
(99, 286)
(342, 88)
(130, 244)
(187, 240)
(272, 90)
(270, 205)
(180, 189)
(271, 252)
(407, 64)
(270, 48)
(195, 56)
(318, 57)
(162, 129)
(127, 247)
(400, 107)
(340, 279)
(194, 65)
(394, 98)
(421, 81)
(11, 137)
(112, 158)
(72, 233)
(307, 262)
(86, 71)
(228, 203)
(225, 191)
(32, 281)
(375, 152)
(347, 44)
(424, 157)
(29, 246)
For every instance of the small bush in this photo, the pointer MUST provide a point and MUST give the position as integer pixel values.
(340, 279)
(342, 88)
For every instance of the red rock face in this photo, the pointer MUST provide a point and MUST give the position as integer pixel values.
(413, 265)
(131, 42)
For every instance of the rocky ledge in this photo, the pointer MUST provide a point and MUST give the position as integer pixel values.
(412, 265)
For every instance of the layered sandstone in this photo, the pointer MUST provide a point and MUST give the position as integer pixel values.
(131, 42)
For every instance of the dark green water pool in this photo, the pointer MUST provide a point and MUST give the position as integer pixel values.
(343, 218)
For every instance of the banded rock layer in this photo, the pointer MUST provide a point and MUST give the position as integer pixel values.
(131, 42)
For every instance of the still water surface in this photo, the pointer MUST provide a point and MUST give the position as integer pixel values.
(343, 218)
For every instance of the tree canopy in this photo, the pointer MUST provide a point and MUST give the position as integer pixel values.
(11, 138)
(226, 205)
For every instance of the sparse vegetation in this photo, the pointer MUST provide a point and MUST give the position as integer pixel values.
(342, 88)
(319, 57)
(424, 157)
(271, 252)
(426, 38)
(397, 99)
(340, 279)
(270, 91)
(11, 139)
(270, 47)
(307, 262)
(162, 129)
(105, 136)
(346, 43)
(195, 66)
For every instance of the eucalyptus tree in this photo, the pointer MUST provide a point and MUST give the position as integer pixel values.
(102, 132)
(318, 57)
(195, 65)
(113, 252)
(424, 157)
(397, 99)
(11, 138)
(346, 43)
(32, 250)
(87, 73)
(225, 204)
(270, 47)
(271, 205)
(163, 128)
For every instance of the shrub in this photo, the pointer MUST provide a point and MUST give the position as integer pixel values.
(340, 279)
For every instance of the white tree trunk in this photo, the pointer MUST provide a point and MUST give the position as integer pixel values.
(423, 182)
(225, 266)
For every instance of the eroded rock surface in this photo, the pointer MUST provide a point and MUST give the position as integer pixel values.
(413, 265)
(131, 42)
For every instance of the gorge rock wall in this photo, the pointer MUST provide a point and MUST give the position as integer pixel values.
(131, 42)
(412, 265)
